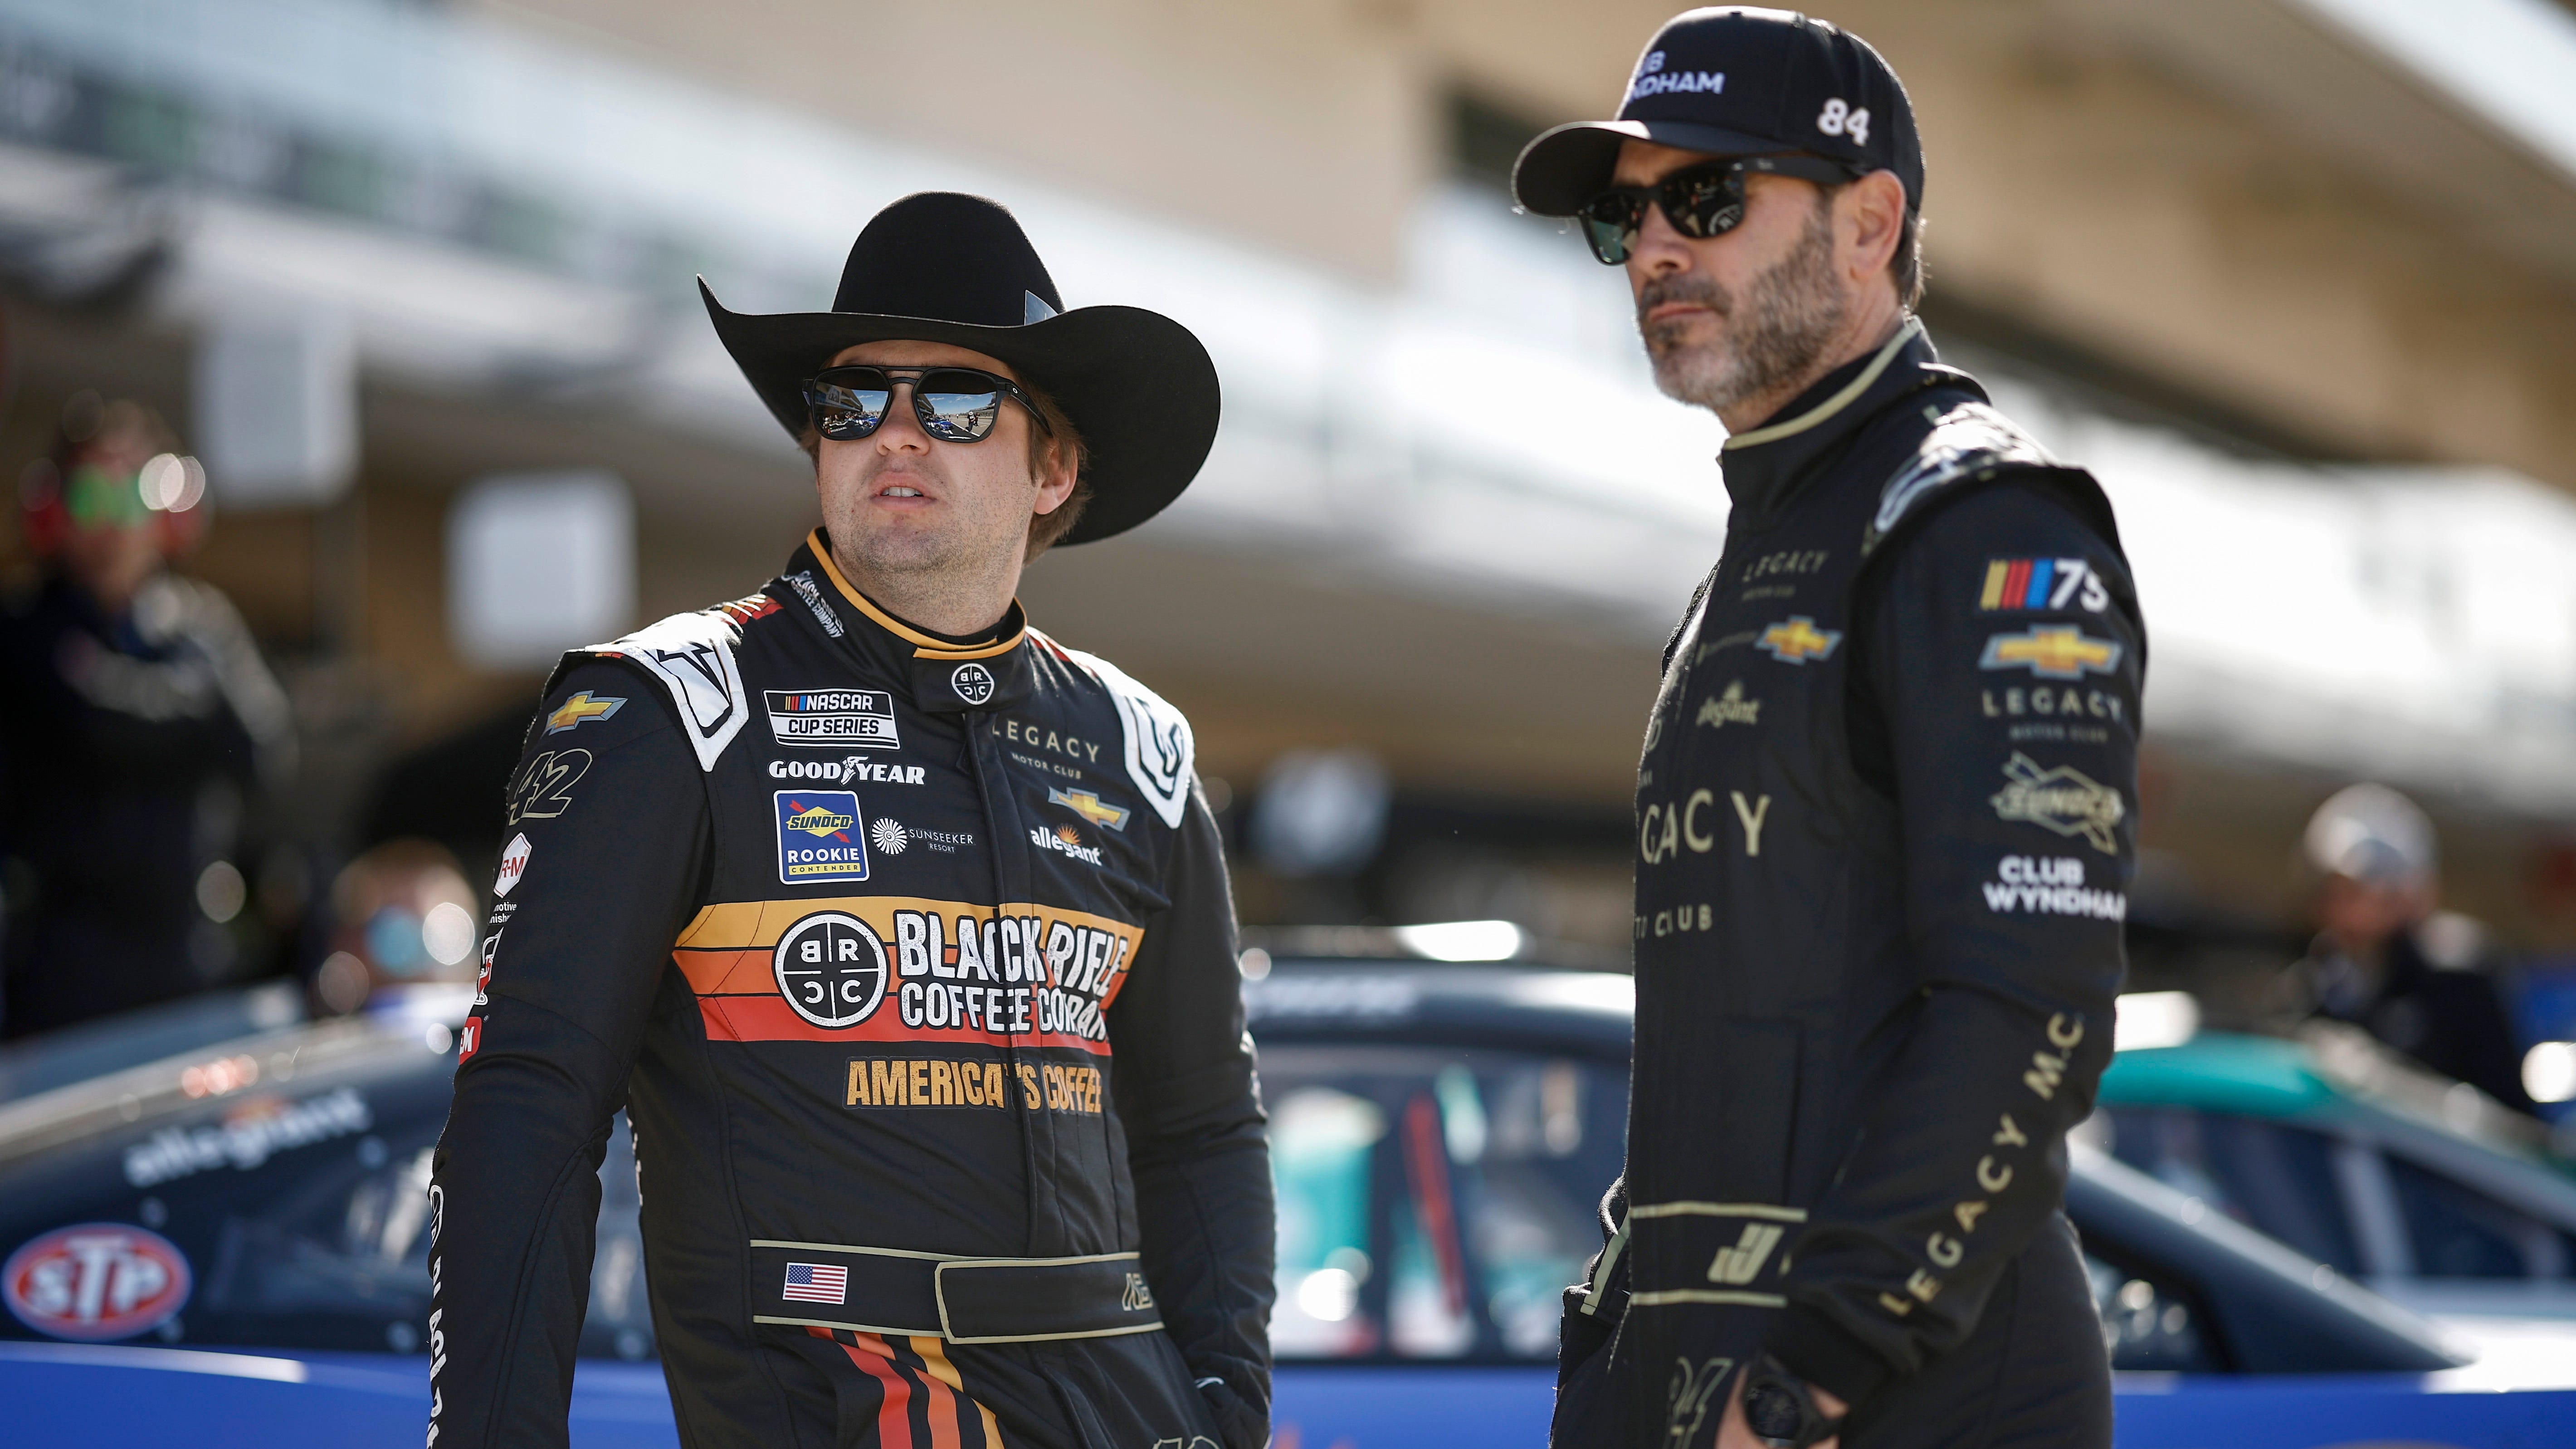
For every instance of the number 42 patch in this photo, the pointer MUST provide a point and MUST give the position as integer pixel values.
(2023, 584)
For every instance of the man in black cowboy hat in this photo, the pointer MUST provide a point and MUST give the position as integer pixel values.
(1884, 806)
(899, 930)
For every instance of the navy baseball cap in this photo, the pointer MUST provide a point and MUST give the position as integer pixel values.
(1737, 81)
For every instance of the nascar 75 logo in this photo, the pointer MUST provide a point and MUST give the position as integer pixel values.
(2023, 584)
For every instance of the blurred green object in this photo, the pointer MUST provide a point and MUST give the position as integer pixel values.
(2219, 1072)
(97, 497)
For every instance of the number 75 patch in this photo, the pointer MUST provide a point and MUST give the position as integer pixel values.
(2021, 584)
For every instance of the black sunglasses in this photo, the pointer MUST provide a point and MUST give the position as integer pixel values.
(1700, 201)
(954, 404)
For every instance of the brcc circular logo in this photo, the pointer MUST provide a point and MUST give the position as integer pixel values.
(973, 683)
(831, 967)
(96, 1282)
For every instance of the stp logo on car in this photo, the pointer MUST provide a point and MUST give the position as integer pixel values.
(96, 1282)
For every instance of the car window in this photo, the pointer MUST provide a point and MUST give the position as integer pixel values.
(2148, 1322)
(1434, 1201)
(2456, 1231)
(289, 1211)
(2273, 1177)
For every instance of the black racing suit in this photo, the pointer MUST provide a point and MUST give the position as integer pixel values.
(1886, 828)
(912, 962)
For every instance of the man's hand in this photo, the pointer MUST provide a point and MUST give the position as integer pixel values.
(1734, 1433)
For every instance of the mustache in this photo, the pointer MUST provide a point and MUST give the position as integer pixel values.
(1690, 287)
(925, 471)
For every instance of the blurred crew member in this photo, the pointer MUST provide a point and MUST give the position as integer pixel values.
(2386, 960)
(139, 721)
(900, 931)
(1884, 809)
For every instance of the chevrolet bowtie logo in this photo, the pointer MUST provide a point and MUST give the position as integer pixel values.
(582, 707)
(1797, 641)
(2051, 651)
(1090, 807)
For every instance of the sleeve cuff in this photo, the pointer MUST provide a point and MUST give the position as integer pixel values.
(1811, 1346)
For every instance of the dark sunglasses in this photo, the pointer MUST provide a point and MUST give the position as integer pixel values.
(953, 404)
(1700, 201)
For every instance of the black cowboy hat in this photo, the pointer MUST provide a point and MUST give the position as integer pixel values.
(939, 266)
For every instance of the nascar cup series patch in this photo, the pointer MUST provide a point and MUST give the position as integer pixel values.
(832, 718)
(819, 837)
(96, 1282)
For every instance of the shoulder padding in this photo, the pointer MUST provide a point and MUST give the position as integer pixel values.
(692, 654)
(1162, 758)
(1970, 442)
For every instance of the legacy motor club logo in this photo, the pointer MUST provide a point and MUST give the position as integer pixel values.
(818, 837)
(973, 683)
(833, 718)
(831, 967)
(96, 1282)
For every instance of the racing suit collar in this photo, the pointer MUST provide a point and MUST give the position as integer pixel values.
(1766, 466)
(946, 675)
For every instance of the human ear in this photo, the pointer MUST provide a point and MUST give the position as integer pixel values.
(1056, 484)
(1869, 215)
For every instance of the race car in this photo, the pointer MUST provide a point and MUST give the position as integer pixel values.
(229, 1245)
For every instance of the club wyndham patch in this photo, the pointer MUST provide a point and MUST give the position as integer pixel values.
(820, 837)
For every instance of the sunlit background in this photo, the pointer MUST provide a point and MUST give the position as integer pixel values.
(2297, 278)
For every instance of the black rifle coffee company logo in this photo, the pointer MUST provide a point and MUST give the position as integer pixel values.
(831, 967)
(973, 683)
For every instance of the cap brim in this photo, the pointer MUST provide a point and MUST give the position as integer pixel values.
(1140, 387)
(1571, 164)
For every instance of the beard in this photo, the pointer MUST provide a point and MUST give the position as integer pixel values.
(1772, 337)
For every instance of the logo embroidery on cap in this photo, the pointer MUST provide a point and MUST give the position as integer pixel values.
(1653, 80)
(1841, 118)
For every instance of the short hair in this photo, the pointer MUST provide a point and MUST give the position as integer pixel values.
(1905, 266)
(1057, 440)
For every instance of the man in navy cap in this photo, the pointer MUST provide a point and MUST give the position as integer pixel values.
(1885, 823)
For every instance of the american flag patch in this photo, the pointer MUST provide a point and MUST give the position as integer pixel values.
(816, 1283)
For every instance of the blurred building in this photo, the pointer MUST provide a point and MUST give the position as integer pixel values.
(2297, 277)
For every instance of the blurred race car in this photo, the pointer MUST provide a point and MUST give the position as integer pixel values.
(2433, 1195)
(1440, 1131)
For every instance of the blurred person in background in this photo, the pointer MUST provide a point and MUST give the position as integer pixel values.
(1885, 809)
(403, 917)
(2387, 959)
(140, 724)
(900, 931)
